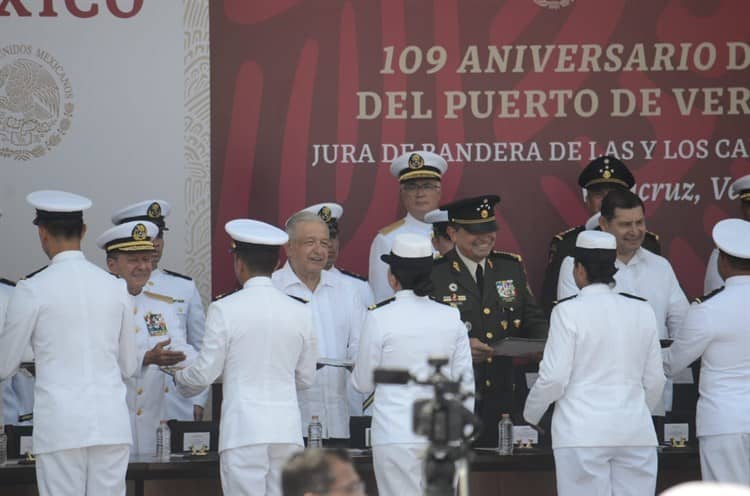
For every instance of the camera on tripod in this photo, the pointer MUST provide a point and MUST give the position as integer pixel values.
(444, 420)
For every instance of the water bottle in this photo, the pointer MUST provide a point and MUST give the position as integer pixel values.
(163, 441)
(3, 445)
(505, 435)
(315, 433)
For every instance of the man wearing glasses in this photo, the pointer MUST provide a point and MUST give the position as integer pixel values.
(419, 174)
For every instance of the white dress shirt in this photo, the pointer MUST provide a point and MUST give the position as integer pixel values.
(262, 342)
(363, 287)
(713, 280)
(602, 365)
(718, 331)
(338, 316)
(402, 335)
(79, 320)
(156, 320)
(647, 275)
(189, 308)
(378, 270)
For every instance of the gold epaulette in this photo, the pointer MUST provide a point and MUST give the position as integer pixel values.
(656, 236)
(392, 227)
(507, 254)
(709, 295)
(161, 297)
(562, 234)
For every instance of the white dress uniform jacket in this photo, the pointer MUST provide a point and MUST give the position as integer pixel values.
(189, 308)
(602, 366)
(402, 334)
(378, 270)
(263, 344)
(338, 316)
(79, 320)
(713, 280)
(647, 275)
(5, 407)
(155, 321)
(718, 331)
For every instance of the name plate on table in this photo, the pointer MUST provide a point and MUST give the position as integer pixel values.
(676, 434)
(525, 435)
(196, 441)
(516, 347)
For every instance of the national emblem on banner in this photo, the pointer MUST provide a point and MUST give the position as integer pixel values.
(553, 4)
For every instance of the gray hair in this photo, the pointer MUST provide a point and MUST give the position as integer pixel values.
(310, 471)
(300, 218)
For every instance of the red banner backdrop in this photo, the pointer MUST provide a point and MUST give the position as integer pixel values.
(311, 99)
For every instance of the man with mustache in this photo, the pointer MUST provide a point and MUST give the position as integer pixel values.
(489, 289)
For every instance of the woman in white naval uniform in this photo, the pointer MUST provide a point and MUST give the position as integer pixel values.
(403, 332)
(602, 367)
(79, 322)
(717, 331)
(262, 342)
(129, 249)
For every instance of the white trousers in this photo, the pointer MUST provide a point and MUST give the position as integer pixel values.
(254, 470)
(605, 471)
(90, 471)
(398, 468)
(726, 458)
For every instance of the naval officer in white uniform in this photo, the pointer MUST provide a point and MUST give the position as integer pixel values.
(180, 291)
(402, 332)
(262, 342)
(129, 248)
(79, 322)
(602, 369)
(419, 174)
(718, 331)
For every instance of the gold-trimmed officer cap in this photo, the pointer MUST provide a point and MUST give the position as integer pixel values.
(606, 170)
(330, 213)
(741, 187)
(148, 210)
(249, 232)
(418, 165)
(134, 235)
(54, 206)
(732, 236)
(476, 214)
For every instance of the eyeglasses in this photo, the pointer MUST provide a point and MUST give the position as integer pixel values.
(356, 487)
(412, 187)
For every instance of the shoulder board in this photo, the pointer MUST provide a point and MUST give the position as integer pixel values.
(440, 259)
(352, 274)
(567, 232)
(175, 274)
(223, 295)
(557, 302)
(7, 282)
(29, 276)
(628, 295)
(382, 303)
(505, 254)
(391, 227)
(302, 300)
(160, 297)
(653, 235)
(709, 295)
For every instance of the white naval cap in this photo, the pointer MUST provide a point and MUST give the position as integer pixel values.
(436, 216)
(53, 205)
(596, 240)
(732, 236)
(409, 247)
(703, 488)
(328, 211)
(741, 187)
(148, 210)
(254, 232)
(134, 235)
(418, 165)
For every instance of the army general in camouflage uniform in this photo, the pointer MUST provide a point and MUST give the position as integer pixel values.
(490, 290)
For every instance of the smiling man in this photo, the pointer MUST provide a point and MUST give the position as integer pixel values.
(490, 291)
(419, 174)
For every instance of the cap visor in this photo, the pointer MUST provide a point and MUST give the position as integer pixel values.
(481, 228)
